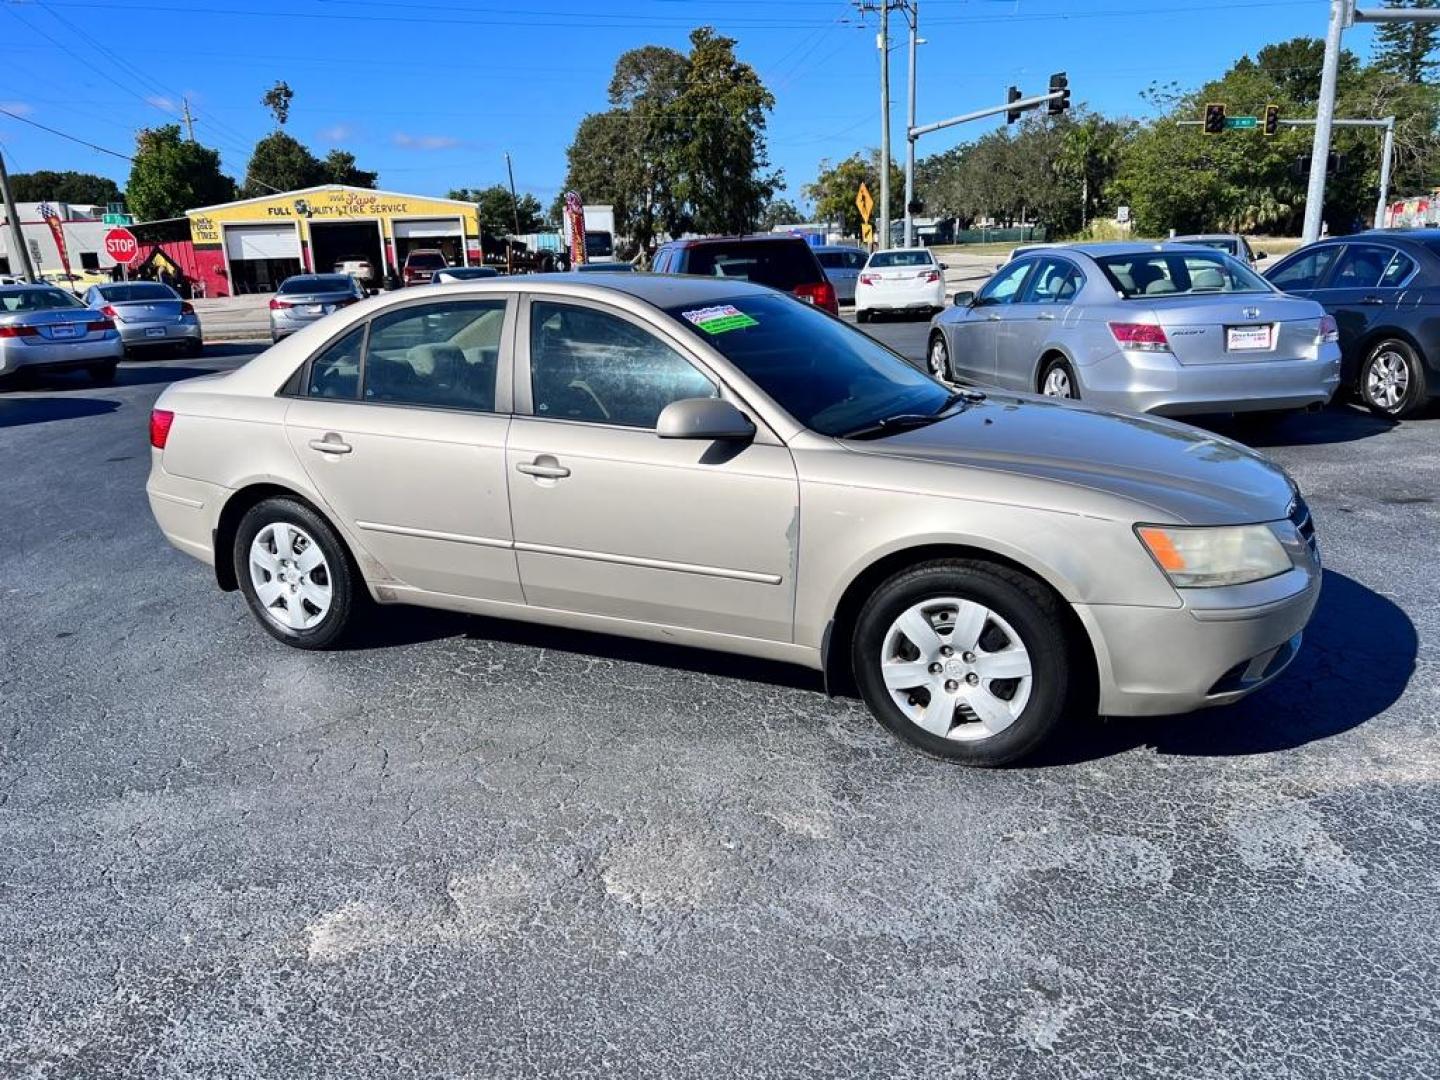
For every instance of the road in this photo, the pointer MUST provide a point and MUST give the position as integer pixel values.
(472, 849)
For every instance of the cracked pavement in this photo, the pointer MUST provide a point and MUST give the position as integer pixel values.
(476, 849)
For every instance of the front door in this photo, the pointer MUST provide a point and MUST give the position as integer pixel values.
(401, 428)
(612, 520)
(977, 337)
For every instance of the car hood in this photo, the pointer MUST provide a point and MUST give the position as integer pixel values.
(1177, 470)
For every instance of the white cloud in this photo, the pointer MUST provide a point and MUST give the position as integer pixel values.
(19, 108)
(425, 142)
(159, 102)
(335, 133)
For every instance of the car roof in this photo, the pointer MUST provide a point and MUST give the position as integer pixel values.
(658, 290)
(1122, 247)
(840, 247)
(1205, 236)
(894, 250)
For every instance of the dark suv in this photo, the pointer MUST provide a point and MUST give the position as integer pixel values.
(782, 262)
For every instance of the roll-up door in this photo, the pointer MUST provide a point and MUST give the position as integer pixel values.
(261, 242)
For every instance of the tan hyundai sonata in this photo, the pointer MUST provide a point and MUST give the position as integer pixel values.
(709, 462)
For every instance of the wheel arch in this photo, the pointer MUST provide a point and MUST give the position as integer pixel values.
(1051, 351)
(239, 503)
(835, 646)
(1379, 334)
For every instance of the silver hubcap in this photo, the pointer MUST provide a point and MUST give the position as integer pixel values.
(937, 357)
(956, 669)
(290, 575)
(1057, 383)
(1388, 380)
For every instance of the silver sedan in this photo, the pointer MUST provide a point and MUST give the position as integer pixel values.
(306, 298)
(42, 327)
(1154, 328)
(149, 314)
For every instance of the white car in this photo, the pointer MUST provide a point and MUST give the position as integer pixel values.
(900, 280)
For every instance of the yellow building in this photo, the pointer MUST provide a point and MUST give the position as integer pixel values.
(254, 244)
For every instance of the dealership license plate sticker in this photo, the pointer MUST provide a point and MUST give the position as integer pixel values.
(314, 309)
(720, 318)
(154, 331)
(65, 330)
(1248, 338)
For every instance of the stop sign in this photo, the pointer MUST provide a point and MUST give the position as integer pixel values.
(121, 245)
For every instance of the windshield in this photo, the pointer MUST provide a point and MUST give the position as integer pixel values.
(828, 376)
(781, 264)
(41, 299)
(1175, 273)
(425, 260)
(900, 258)
(121, 294)
(315, 283)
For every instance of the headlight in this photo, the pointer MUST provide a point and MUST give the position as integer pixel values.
(1195, 558)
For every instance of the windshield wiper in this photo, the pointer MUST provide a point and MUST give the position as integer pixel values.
(906, 421)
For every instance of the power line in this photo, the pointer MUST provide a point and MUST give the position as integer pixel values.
(64, 135)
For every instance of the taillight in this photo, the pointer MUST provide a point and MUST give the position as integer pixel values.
(822, 295)
(1146, 337)
(930, 276)
(18, 331)
(109, 312)
(160, 421)
(187, 308)
(1329, 331)
(869, 279)
(278, 305)
(101, 324)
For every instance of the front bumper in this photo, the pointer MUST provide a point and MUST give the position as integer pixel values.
(1157, 383)
(1216, 648)
(27, 354)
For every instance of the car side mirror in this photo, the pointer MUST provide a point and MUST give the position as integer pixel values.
(964, 297)
(703, 418)
(944, 266)
(1260, 255)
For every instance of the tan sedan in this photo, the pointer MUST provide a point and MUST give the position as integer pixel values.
(715, 463)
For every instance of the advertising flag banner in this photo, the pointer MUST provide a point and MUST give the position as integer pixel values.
(53, 220)
(575, 227)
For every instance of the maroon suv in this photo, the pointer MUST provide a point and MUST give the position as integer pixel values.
(420, 266)
(782, 262)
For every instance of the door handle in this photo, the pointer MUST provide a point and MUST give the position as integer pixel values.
(331, 444)
(1045, 315)
(1373, 300)
(545, 467)
(992, 318)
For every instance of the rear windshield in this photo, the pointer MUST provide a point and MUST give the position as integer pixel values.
(1218, 243)
(309, 283)
(42, 299)
(466, 273)
(142, 290)
(1172, 273)
(883, 259)
(423, 259)
(781, 264)
(831, 260)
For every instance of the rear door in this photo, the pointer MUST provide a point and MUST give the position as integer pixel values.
(1365, 289)
(974, 338)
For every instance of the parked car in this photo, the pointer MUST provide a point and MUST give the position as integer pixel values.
(452, 274)
(842, 266)
(1230, 243)
(1383, 288)
(900, 280)
(786, 263)
(307, 298)
(149, 315)
(705, 462)
(420, 265)
(45, 328)
(1144, 327)
(1026, 249)
(606, 267)
(358, 267)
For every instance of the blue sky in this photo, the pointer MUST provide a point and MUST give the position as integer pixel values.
(433, 95)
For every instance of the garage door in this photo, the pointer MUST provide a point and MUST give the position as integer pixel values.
(261, 242)
(426, 228)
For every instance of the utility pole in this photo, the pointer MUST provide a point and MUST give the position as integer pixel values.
(1386, 154)
(17, 237)
(189, 120)
(884, 123)
(912, 10)
(514, 207)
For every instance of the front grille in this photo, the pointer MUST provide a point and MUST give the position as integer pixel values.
(1303, 522)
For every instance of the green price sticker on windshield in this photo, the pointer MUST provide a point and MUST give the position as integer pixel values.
(720, 318)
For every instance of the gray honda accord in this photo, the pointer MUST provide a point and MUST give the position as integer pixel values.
(1159, 328)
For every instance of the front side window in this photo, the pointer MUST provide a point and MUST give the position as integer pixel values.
(596, 367)
(1055, 281)
(1305, 270)
(335, 373)
(444, 355)
(1004, 287)
(1172, 273)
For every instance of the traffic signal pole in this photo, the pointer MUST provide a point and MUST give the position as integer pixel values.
(913, 12)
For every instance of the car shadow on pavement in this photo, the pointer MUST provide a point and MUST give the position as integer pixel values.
(19, 411)
(1356, 661)
(1334, 424)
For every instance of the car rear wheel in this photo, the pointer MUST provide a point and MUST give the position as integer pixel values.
(296, 575)
(937, 357)
(861, 315)
(194, 347)
(1392, 380)
(1058, 380)
(104, 374)
(964, 659)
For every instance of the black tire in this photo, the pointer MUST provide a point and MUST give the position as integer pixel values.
(862, 316)
(1376, 386)
(348, 598)
(194, 347)
(1058, 364)
(103, 374)
(1031, 610)
(937, 357)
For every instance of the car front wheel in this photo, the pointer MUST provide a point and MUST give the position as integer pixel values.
(964, 659)
(937, 357)
(295, 574)
(1392, 380)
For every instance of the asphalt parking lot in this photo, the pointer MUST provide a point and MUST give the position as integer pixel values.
(472, 849)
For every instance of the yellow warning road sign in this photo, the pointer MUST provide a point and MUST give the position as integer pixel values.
(864, 203)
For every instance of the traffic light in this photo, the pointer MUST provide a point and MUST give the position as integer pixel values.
(1300, 169)
(1013, 114)
(1272, 119)
(1214, 119)
(1059, 84)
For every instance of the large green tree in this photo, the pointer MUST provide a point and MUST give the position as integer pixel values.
(339, 168)
(1405, 49)
(170, 175)
(281, 162)
(779, 212)
(66, 187)
(498, 211)
(835, 187)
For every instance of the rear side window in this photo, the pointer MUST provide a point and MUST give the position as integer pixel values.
(335, 373)
(781, 264)
(1398, 272)
(1304, 271)
(443, 355)
(831, 260)
(1361, 266)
